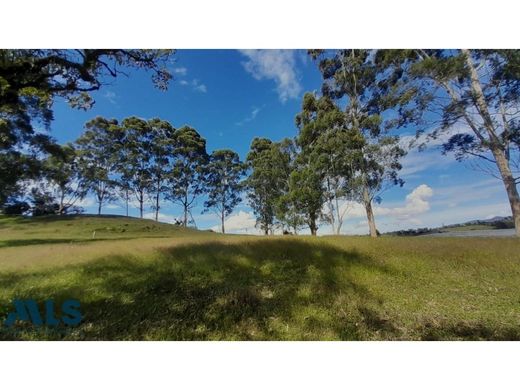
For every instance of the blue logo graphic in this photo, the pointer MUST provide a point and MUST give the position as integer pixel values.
(28, 310)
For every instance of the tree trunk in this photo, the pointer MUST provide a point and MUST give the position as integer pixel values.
(127, 196)
(370, 213)
(340, 217)
(157, 205)
(509, 183)
(495, 143)
(313, 227)
(185, 222)
(99, 208)
(222, 221)
(62, 200)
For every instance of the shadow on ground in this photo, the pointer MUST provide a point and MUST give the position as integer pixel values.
(274, 289)
(45, 241)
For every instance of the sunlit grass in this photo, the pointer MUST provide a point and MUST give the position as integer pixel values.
(187, 285)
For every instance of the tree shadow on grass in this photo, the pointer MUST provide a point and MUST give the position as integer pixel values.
(272, 289)
(45, 241)
(276, 289)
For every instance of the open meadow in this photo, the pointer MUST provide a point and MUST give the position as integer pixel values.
(143, 280)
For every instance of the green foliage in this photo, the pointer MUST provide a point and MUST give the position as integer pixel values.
(363, 158)
(62, 176)
(97, 158)
(187, 177)
(469, 100)
(30, 80)
(224, 183)
(270, 164)
(305, 197)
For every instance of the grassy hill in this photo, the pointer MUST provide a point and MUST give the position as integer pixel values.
(141, 280)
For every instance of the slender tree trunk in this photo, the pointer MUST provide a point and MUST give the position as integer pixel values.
(185, 222)
(127, 196)
(370, 213)
(340, 217)
(99, 207)
(313, 227)
(222, 222)
(62, 200)
(331, 207)
(496, 145)
(510, 185)
(157, 196)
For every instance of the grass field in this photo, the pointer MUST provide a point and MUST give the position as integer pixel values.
(141, 280)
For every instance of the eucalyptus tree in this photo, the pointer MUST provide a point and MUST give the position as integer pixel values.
(270, 167)
(187, 177)
(333, 147)
(136, 168)
(352, 78)
(97, 158)
(305, 196)
(30, 81)
(468, 100)
(61, 175)
(163, 154)
(223, 183)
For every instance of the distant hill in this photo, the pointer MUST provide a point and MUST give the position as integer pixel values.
(16, 231)
(476, 224)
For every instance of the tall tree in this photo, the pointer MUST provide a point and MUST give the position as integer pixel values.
(189, 170)
(469, 99)
(352, 77)
(97, 158)
(224, 183)
(307, 194)
(270, 169)
(136, 169)
(62, 177)
(163, 154)
(30, 80)
(333, 147)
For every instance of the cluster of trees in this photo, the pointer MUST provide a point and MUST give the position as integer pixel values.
(139, 162)
(346, 149)
(466, 100)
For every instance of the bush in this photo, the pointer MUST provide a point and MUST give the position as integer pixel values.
(16, 208)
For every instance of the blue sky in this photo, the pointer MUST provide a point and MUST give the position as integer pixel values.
(231, 96)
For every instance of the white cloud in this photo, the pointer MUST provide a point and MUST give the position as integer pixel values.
(198, 86)
(242, 222)
(416, 203)
(195, 84)
(111, 96)
(276, 65)
(180, 71)
(254, 112)
(431, 156)
(86, 202)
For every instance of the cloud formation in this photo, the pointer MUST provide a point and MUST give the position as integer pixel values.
(242, 222)
(181, 71)
(255, 111)
(276, 65)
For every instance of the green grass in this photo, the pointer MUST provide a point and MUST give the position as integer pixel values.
(168, 283)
